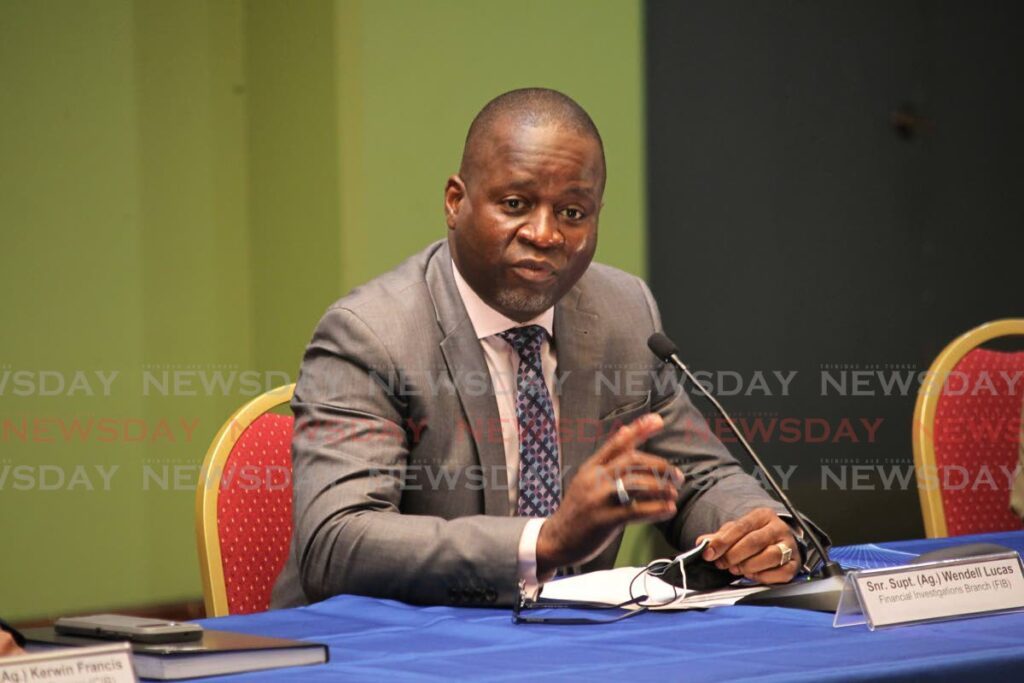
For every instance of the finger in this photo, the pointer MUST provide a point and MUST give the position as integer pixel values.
(642, 480)
(648, 487)
(628, 436)
(723, 539)
(782, 574)
(7, 645)
(774, 531)
(731, 532)
(638, 462)
(767, 559)
(749, 546)
(647, 511)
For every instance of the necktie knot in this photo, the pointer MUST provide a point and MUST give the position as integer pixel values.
(525, 340)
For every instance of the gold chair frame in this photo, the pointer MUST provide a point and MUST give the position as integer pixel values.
(930, 493)
(211, 567)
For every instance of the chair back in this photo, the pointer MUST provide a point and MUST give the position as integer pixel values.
(244, 507)
(967, 434)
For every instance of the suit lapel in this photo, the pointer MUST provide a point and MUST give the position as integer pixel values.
(468, 369)
(578, 348)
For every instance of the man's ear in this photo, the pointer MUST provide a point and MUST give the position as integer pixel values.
(454, 194)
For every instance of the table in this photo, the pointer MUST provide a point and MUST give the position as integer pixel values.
(373, 639)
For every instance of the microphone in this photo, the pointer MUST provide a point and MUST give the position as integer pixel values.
(823, 594)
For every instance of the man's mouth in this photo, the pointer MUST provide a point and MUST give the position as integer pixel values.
(533, 270)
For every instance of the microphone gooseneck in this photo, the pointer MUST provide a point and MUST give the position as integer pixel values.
(664, 349)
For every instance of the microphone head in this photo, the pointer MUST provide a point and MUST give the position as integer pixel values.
(661, 346)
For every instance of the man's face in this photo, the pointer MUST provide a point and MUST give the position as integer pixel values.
(523, 224)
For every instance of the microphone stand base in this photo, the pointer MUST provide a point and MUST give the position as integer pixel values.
(818, 595)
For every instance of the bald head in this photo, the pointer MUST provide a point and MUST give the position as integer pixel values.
(530, 107)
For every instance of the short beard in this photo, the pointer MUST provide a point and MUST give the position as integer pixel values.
(528, 304)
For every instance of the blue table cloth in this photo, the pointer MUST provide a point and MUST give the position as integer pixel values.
(374, 639)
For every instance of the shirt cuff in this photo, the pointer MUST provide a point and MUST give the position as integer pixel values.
(527, 557)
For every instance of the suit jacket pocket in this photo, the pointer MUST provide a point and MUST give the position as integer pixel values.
(627, 413)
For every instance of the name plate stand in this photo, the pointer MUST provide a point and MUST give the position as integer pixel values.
(932, 591)
(100, 664)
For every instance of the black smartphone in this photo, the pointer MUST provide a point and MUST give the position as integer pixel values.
(135, 629)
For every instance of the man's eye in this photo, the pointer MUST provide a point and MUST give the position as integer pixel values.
(573, 214)
(514, 204)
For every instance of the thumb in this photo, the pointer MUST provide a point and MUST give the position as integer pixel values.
(711, 552)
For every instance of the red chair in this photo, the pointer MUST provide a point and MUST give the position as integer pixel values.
(244, 507)
(967, 433)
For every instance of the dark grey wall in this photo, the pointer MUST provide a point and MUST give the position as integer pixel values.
(794, 227)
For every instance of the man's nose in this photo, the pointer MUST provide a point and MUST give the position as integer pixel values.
(542, 230)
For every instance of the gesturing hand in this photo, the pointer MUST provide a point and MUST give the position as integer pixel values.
(591, 514)
(751, 547)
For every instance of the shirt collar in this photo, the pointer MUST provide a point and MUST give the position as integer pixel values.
(487, 321)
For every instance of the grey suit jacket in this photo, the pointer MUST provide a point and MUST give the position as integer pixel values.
(400, 484)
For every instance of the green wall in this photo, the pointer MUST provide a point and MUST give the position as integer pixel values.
(424, 69)
(185, 185)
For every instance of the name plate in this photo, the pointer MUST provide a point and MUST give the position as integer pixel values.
(100, 664)
(947, 589)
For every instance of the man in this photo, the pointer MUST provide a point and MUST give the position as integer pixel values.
(488, 412)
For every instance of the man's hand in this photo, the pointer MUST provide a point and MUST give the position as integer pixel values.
(749, 547)
(590, 514)
(8, 646)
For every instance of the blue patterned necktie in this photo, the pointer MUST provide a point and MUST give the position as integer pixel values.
(540, 485)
